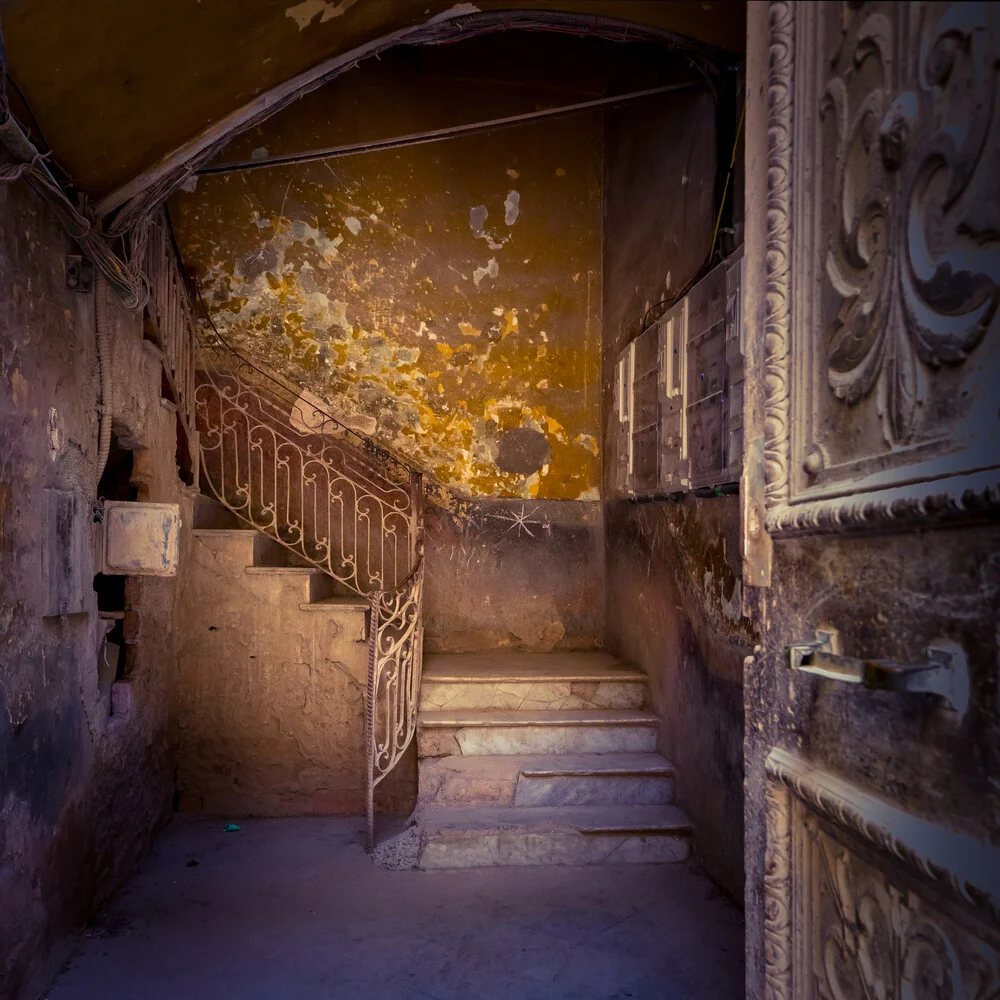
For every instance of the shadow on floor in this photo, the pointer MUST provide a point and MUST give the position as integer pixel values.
(294, 909)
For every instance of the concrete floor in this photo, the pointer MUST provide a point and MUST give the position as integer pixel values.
(294, 909)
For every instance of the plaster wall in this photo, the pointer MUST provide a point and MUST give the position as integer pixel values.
(505, 574)
(82, 790)
(445, 299)
(673, 569)
(270, 697)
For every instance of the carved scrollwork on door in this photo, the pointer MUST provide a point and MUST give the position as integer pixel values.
(882, 315)
(913, 251)
(865, 902)
(876, 940)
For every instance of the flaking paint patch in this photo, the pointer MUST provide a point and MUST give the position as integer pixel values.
(512, 207)
(492, 270)
(304, 13)
(478, 215)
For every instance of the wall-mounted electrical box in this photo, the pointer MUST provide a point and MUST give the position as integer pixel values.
(141, 539)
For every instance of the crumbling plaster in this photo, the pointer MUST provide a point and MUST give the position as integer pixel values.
(82, 791)
(444, 298)
(674, 588)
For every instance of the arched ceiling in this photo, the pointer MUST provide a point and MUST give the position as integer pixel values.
(116, 88)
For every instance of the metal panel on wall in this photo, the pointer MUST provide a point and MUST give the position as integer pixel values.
(678, 393)
(674, 472)
(623, 413)
(708, 436)
(645, 412)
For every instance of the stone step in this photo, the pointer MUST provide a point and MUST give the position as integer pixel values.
(309, 586)
(501, 666)
(544, 780)
(530, 681)
(259, 549)
(474, 733)
(478, 837)
(236, 543)
(209, 513)
(351, 613)
(358, 604)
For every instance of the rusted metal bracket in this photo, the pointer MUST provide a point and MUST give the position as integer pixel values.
(945, 674)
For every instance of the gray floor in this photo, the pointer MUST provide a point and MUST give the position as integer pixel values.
(294, 909)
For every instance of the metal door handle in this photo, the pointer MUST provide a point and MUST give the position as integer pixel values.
(945, 674)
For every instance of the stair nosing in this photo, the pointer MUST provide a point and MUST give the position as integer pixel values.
(566, 765)
(224, 531)
(344, 604)
(625, 677)
(668, 771)
(438, 719)
(557, 818)
(284, 570)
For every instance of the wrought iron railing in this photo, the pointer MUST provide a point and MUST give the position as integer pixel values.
(284, 465)
(395, 659)
(286, 470)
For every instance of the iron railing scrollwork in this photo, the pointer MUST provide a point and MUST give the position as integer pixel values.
(288, 473)
(395, 660)
(274, 456)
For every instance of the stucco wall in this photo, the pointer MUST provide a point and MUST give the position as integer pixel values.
(504, 574)
(673, 569)
(81, 791)
(270, 697)
(444, 298)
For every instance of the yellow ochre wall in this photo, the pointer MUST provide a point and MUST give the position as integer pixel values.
(443, 298)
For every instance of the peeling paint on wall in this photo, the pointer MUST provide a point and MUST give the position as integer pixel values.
(303, 14)
(363, 280)
(511, 206)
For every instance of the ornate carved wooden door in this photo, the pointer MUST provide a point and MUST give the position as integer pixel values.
(870, 514)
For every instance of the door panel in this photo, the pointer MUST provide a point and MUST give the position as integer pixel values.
(873, 472)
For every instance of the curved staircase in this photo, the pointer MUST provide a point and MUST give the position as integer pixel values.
(524, 759)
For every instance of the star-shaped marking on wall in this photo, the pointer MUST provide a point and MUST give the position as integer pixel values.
(520, 520)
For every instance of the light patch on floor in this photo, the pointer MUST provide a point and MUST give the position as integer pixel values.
(294, 908)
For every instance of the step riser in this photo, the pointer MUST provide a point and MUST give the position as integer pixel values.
(532, 695)
(501, 740)
(579, 790)
(445, 789)
(235, 548)
(449, 789)
(513, 848)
